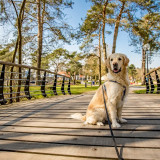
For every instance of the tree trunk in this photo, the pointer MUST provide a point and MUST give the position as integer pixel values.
(11, 70)
(20, 19)
(40, 18)
(103, 29)
(143, 66)
(39, 35)
(99, 58)
(117, 27)
(74, 79)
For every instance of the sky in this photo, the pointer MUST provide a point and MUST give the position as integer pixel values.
(79, 11)
(74, 18)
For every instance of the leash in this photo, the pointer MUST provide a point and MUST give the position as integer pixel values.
(109, 123)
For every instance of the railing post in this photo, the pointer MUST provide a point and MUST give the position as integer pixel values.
(69, 87)
(158, 82)
(19, 84)
(55, 84)
(2, 100)
(151, 82)
(26, 88)
(11, 90)
(62, 87)
(43, 85)
(147, 84)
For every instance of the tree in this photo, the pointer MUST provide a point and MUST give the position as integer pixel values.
(44, 60)
(74, 64)
(105, 3)
(132, 71)
(19, 44)
(58, 58)
(117, 23)
(52, 27)
(40, 18)
(100, 56)
(94, 26)
(127, 11)
(146, 30)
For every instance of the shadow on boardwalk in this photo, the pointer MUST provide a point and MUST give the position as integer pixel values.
(45, 128)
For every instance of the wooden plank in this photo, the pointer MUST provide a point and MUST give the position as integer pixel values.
(80, 125)
(6, 155)
(47, 129)
(78, 110)
(31, 115)
(84, 132)
(79, 150)
(70, 111)
(144, 121)
(128, 140)
(47, 113)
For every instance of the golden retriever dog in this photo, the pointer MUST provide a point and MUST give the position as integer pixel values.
(117, 85)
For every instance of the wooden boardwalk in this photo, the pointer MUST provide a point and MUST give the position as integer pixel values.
(42, 130)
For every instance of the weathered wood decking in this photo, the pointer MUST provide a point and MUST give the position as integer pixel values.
(42, 130)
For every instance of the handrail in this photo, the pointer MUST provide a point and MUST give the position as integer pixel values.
(30, 67)
(26, 81)
(152, 71)
(150, 87)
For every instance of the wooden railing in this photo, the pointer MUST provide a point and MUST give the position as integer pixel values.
(153, 81)
(49, 83)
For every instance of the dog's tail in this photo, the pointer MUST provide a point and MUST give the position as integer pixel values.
(78, 116)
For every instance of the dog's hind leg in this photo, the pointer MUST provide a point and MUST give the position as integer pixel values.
(91, 120)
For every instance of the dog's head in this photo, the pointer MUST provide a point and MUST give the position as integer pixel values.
(116, 63)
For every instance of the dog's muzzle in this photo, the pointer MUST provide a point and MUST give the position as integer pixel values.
(115, 68)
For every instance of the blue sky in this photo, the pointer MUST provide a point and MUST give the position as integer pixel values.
(79, 11)
(74, 16)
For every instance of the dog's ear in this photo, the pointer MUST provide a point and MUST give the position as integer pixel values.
(126, 60)
(108, 62)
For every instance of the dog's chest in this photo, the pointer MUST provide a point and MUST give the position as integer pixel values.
(116, 93)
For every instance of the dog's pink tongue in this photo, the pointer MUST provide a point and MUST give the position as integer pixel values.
(115, 70)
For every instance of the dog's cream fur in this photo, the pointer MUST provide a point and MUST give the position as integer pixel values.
(96, 113)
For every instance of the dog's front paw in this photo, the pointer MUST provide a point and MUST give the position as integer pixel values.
(122, 120)
(116, 125)
(100, 124)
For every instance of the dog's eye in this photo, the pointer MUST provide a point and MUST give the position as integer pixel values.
(119, 59)
(111, 59)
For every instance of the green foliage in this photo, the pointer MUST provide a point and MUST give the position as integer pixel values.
(146, 30)
(58, 58)
(44, 60)
(94, 18)
(74, 64)
(132, 71)
(91, 67)
(6, 55)
(55, 29)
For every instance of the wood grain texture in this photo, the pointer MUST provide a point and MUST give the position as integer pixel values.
(43, 129)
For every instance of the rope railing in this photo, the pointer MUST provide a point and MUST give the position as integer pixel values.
(48, 83)
(152, 81)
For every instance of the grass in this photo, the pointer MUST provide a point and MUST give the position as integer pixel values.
(77, 89)
(143, 91)
(35, 91)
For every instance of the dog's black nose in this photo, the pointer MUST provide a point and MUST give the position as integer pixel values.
(115, 65)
